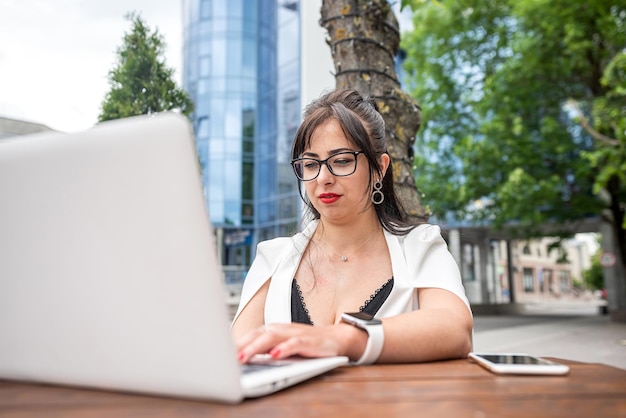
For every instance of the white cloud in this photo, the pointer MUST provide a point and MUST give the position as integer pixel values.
(55, 54)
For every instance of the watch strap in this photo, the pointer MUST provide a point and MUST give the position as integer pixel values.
(374, 346)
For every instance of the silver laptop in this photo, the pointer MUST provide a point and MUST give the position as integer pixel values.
(109, 276)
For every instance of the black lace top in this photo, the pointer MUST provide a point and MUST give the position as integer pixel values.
(300, 314)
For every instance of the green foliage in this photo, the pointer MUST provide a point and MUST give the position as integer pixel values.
(608, 113)
(140, 82)
(594, 276)
(501, 141)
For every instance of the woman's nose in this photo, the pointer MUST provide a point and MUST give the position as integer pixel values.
(325, 176)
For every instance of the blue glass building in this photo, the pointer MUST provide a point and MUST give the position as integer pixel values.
(242, 70)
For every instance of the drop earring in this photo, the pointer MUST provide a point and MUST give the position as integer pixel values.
(377, 196)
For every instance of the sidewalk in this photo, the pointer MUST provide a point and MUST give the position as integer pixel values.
(570, 332)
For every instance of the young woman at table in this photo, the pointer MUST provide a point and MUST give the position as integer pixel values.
(358, 254)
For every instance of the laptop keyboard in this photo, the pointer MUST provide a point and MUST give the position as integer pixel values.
(263, 362)
(252, 368)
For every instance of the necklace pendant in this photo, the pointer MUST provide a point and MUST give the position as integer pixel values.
(344, 258)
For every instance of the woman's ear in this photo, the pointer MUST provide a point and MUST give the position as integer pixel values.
(384, 160)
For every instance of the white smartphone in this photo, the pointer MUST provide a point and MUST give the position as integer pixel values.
(518, 363)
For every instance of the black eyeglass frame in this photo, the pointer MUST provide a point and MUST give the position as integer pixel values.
(325, 162)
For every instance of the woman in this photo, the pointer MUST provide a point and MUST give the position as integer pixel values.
(358, 254)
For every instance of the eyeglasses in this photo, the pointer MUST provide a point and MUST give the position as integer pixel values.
(340, 164)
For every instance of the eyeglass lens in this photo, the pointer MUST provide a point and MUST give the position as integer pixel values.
(341, 164)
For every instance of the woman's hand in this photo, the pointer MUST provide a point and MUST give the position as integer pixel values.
(284, 340)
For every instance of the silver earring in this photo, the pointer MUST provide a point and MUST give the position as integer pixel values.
(377, 196)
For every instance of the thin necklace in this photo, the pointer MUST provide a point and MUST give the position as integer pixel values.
(343, 257)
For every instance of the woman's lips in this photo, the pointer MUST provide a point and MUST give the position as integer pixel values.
(329, 197)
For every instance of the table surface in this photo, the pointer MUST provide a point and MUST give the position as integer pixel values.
(456, 388)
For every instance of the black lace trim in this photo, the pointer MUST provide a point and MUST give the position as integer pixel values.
(376, 300)
(300, 313)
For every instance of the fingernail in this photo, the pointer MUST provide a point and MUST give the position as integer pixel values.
(274, 353)
(241, 356)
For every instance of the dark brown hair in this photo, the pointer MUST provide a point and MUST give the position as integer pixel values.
(364, 126)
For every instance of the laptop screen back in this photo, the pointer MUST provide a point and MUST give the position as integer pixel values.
(108, 268)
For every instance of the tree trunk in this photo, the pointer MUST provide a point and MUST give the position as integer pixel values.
(616, 220)
(364, 38)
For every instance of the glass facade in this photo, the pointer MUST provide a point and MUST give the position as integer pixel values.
(242, 70)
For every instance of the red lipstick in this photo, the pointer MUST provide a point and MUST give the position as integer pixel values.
(328, 198)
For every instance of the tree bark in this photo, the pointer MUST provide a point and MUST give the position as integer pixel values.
(364, 38)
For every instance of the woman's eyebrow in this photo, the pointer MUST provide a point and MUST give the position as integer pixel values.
(331, 152)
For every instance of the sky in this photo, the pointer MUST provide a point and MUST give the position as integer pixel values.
(55, 55)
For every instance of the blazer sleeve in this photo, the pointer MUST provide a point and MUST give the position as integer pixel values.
(268, 256)
(277, 259)
(430, 263)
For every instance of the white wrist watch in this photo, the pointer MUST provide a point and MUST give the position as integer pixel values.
(374, 328)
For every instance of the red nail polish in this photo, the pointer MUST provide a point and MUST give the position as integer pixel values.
(274, 353)
(240, 357)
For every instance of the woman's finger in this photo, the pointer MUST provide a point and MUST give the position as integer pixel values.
(260, 341)
(311, 342)
(250, 336)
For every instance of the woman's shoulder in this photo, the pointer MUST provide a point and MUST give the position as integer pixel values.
(425, 232)
(421, 240)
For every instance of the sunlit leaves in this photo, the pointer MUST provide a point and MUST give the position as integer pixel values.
(494, 79)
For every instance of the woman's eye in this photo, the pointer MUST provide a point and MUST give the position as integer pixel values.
(342, 161)
(310, 165)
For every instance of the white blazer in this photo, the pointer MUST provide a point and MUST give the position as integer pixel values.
(419, 259)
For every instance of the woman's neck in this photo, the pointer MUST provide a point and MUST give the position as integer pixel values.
(348, 237)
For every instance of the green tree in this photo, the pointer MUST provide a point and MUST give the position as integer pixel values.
(141, 83)
(524, 105)
(594, 275)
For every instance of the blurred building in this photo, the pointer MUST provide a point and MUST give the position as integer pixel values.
(502, 270)
(542, 272)
(250, 66)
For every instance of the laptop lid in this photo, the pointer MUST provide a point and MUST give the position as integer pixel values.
(108, 268)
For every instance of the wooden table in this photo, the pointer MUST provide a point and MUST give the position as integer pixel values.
(455, 388)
